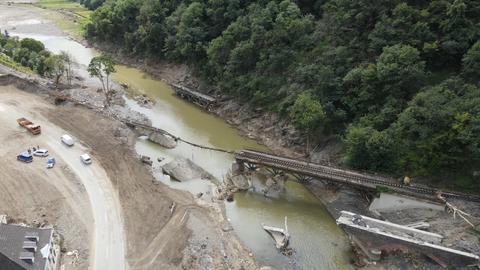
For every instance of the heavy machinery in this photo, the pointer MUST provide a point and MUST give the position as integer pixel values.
(29, 125)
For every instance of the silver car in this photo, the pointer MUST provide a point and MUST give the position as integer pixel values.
(41, 153)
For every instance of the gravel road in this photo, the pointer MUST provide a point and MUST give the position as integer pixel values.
(108, 236)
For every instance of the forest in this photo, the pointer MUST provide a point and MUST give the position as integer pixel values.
(397, 81)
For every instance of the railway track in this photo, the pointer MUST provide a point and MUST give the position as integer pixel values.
(345, 176)
(322, 171)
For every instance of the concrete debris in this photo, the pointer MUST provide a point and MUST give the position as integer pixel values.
(393, 202)
(279, 235)
(162, 140)
(373, 235)
(144, 101)
(183, 169)
(146, 160)
(422, 225)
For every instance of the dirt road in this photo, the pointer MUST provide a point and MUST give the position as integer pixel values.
(107, 239)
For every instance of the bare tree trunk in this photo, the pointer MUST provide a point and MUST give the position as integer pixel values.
(57, 80)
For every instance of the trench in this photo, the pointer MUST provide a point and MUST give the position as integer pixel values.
(316, 240)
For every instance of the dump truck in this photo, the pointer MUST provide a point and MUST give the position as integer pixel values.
(29, 125)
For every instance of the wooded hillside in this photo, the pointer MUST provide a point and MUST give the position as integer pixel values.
(397, 80)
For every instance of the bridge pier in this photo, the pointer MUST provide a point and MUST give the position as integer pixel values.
(302, 178)
(274, 171)
(251, 166)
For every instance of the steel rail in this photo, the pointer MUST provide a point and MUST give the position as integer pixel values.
(344, 176)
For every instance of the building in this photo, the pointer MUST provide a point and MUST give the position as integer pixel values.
(26, 248)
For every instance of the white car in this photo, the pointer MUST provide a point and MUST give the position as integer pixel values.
(85, 158)
(41, 153)
(67, 139)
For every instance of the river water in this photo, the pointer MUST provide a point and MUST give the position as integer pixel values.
(315, 239)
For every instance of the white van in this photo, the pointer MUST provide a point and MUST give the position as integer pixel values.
(66, 139)
(86, 159)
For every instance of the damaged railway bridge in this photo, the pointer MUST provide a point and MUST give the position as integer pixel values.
(305, 171)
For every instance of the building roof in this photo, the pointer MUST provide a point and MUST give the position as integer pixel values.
(23, 245)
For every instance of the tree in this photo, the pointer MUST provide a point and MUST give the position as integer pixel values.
(307, 114)
(367, 148)
(401, 71)
(55, 67)
(406, 25)
(32, 45)
(67, 60)
(440, 129)
(102, 67)
(471, 64)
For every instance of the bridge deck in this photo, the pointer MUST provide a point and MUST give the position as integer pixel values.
(191, 92)
(349, 177)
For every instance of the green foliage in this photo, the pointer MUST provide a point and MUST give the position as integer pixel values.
(405, 25)
(370, 149)
(440, 129)
(92, 4)
(55, 66)
(27, 52)
(102, 67)
(32, 45)
(401, 71)
(307, 113)
(358, 67)
(471, 63)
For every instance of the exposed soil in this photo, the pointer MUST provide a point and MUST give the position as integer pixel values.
(155, 237)
(31, 194)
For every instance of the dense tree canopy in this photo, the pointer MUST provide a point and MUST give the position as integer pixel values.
(375, 72)
(31, 53)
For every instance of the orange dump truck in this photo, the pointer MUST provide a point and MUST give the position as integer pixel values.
(29, 125)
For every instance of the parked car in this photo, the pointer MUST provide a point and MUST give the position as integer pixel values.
(25, 157)
(50, 163)
(86, 159)
(41, 153)
(67, 139)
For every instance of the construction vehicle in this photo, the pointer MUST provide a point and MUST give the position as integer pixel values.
(29, 125)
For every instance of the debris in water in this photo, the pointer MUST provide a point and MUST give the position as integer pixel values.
(279, 235)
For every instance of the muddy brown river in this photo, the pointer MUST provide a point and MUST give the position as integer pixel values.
(315, 239)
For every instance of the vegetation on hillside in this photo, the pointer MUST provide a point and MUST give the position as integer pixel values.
(397, 80)
(30, 53)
